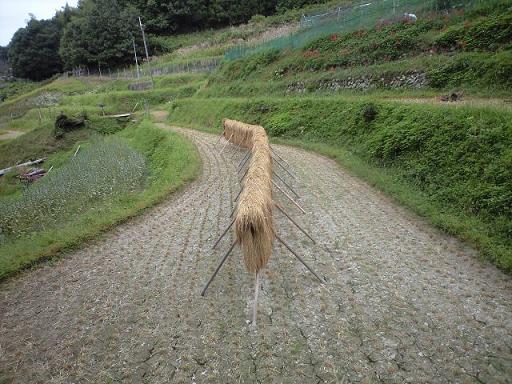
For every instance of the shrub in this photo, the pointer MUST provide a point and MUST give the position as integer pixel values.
(369, 112)
(488, 34)
(474, 69)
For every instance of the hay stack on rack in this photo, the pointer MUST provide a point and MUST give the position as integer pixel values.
(239, 133)
(254, 223)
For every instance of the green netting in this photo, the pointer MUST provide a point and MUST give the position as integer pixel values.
(364, 14)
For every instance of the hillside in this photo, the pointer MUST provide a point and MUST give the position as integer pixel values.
(390, 125)
(420, 109)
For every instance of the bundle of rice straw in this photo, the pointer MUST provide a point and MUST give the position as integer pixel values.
(254, 223)
(239, 133)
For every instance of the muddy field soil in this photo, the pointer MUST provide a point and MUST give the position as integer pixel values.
(402, 303)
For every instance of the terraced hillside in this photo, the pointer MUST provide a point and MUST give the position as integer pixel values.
(399, 134)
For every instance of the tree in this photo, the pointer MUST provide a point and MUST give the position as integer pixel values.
(3, 61)
(99, 34)
(33, 50)
(169, 16)
(444, 4)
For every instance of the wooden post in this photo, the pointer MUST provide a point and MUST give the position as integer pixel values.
(147, 54)
(300, 259)
(203, 292)
(255, 303)
(288, 196)
(136, 60)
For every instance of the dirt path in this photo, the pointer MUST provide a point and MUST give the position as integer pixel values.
(7, 135)
(403, 303)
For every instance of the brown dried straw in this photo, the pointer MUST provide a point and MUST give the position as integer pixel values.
(239, 133)
(254, 224)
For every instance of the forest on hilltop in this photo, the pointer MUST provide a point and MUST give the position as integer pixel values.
(101, 33)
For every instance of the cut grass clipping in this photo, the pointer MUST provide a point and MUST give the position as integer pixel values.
(108, 181)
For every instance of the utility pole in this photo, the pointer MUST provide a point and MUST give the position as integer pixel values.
(144, 39)
(147, 54)
(136, 60)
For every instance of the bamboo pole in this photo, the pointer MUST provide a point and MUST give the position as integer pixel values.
(277, 154)
(38, 161)
(233, 211)
(287, 171)
(243, 177)
(223, 233)
(237, 196)
(225, 144)
(286, 184)
(294, 222)
(243, 161)
(222, 261)
(255, 304)
(300, 259)
(288, 196)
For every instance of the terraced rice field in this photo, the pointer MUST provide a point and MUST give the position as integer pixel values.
(403, 303)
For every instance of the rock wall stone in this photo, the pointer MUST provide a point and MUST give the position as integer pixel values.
(412, 79)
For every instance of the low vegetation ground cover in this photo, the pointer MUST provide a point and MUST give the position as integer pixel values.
(113, 177)
(472, 53)
(450, 165)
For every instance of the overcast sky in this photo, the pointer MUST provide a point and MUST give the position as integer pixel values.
(14, 14)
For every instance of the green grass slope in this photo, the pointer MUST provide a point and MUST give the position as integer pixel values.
(451, 165)
(472, 53)
(110, 180)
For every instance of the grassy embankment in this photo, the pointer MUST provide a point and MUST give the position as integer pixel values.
(452, 166)
(470, 53)
(121, 169)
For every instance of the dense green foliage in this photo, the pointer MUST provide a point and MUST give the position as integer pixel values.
(33, 50)
(165, 17)
(474, 70)
(99, 34)
(3, 61)
(458, 160)
(11, 89)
